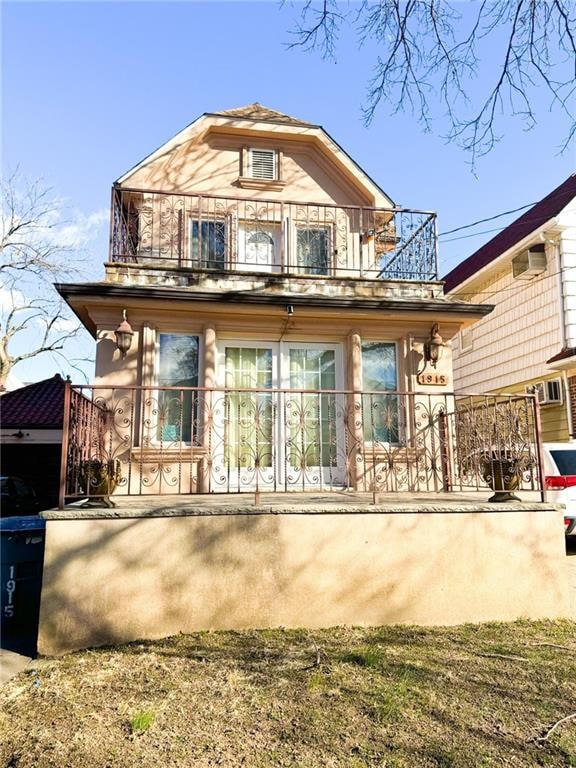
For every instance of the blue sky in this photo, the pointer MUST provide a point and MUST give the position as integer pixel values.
(89, 89)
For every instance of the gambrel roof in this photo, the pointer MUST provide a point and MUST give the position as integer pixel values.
(264, 120)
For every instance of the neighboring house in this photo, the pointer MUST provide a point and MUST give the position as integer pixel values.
(251, 252)
(31, 421)
(528, 343)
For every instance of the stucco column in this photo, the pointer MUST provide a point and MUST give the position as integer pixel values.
(354, 427)
(205, 409)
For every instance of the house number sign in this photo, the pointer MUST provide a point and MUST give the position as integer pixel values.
(10, 587)
(432, 379)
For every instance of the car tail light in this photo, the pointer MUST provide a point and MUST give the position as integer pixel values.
(567, 522)
(559, 482)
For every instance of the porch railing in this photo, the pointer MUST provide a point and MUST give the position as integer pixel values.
(204, 232)
(166, 440)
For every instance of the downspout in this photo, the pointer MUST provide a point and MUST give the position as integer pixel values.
(563, 336)
(568, 405)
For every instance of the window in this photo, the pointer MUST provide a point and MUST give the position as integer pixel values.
(208, 244)
(379, 374)
(466, 340)
(312, 244)
(177, 366)
(263, 164)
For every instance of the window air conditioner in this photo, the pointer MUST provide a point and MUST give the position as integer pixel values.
(548, 392)
(529, 263)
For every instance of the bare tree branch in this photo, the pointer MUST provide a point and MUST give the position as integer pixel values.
(33, 253)
(428, 52)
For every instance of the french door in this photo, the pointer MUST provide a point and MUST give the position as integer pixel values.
(259, 246)
(279, 421)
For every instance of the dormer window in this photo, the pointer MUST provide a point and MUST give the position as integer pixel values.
(261, 168)
(263, 164)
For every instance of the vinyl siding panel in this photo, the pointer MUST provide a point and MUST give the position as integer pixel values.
(512, 343)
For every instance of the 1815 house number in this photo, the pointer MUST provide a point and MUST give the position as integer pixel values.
(437, 379)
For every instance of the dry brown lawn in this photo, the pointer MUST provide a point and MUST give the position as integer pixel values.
(469, 696)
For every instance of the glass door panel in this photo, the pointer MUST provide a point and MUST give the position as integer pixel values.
(272, 437)
(314, 420)
(248, 416)
(259, 246)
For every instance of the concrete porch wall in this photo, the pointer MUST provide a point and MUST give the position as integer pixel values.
(116, 579)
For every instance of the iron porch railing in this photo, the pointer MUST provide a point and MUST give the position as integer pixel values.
(204, 232)
(167, 440)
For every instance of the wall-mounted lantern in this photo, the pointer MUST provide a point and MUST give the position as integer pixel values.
(124, 335)
(433, 347)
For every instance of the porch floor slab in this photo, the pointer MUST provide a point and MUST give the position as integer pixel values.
(293, 503)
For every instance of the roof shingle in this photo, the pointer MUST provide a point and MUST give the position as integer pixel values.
(258, 111)
(37, 406)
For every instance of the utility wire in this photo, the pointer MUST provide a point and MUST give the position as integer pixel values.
(559, 191)
(481, 221)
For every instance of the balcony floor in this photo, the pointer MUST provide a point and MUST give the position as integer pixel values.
(295, 503)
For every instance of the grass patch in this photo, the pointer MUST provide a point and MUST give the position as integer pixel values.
(365, 657)
(141, 721)
(384, 697)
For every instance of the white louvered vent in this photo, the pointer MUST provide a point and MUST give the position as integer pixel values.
(263, 164)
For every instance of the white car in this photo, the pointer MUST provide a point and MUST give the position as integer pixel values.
(560, 479)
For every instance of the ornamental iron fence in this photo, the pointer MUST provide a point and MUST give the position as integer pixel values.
(227, 234)
(167, 440)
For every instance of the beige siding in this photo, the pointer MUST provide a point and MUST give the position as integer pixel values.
(511, 345)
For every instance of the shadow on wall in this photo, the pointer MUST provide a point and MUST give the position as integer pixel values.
(108, 581)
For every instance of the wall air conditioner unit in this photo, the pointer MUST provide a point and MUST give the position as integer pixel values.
(530, 262)
(548, 392)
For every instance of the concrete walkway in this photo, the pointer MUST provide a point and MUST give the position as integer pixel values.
(12, 664)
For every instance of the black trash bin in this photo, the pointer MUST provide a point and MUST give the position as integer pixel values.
(22, 560)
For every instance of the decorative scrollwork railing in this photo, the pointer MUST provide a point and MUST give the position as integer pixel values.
(167, 440)
(204, 232)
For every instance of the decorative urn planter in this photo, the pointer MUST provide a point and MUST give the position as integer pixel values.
(501, 472)
(99, 480)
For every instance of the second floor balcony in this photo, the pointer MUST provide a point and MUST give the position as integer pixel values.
(227, 234)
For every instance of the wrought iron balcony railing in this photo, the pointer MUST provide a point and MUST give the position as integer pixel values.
(138, 440)
(202, 232)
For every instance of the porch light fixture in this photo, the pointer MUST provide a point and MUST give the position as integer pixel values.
(433, 347)
(124, 335)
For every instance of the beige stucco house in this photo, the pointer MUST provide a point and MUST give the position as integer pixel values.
(251, 252)
(275, 415)
(528, 273)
